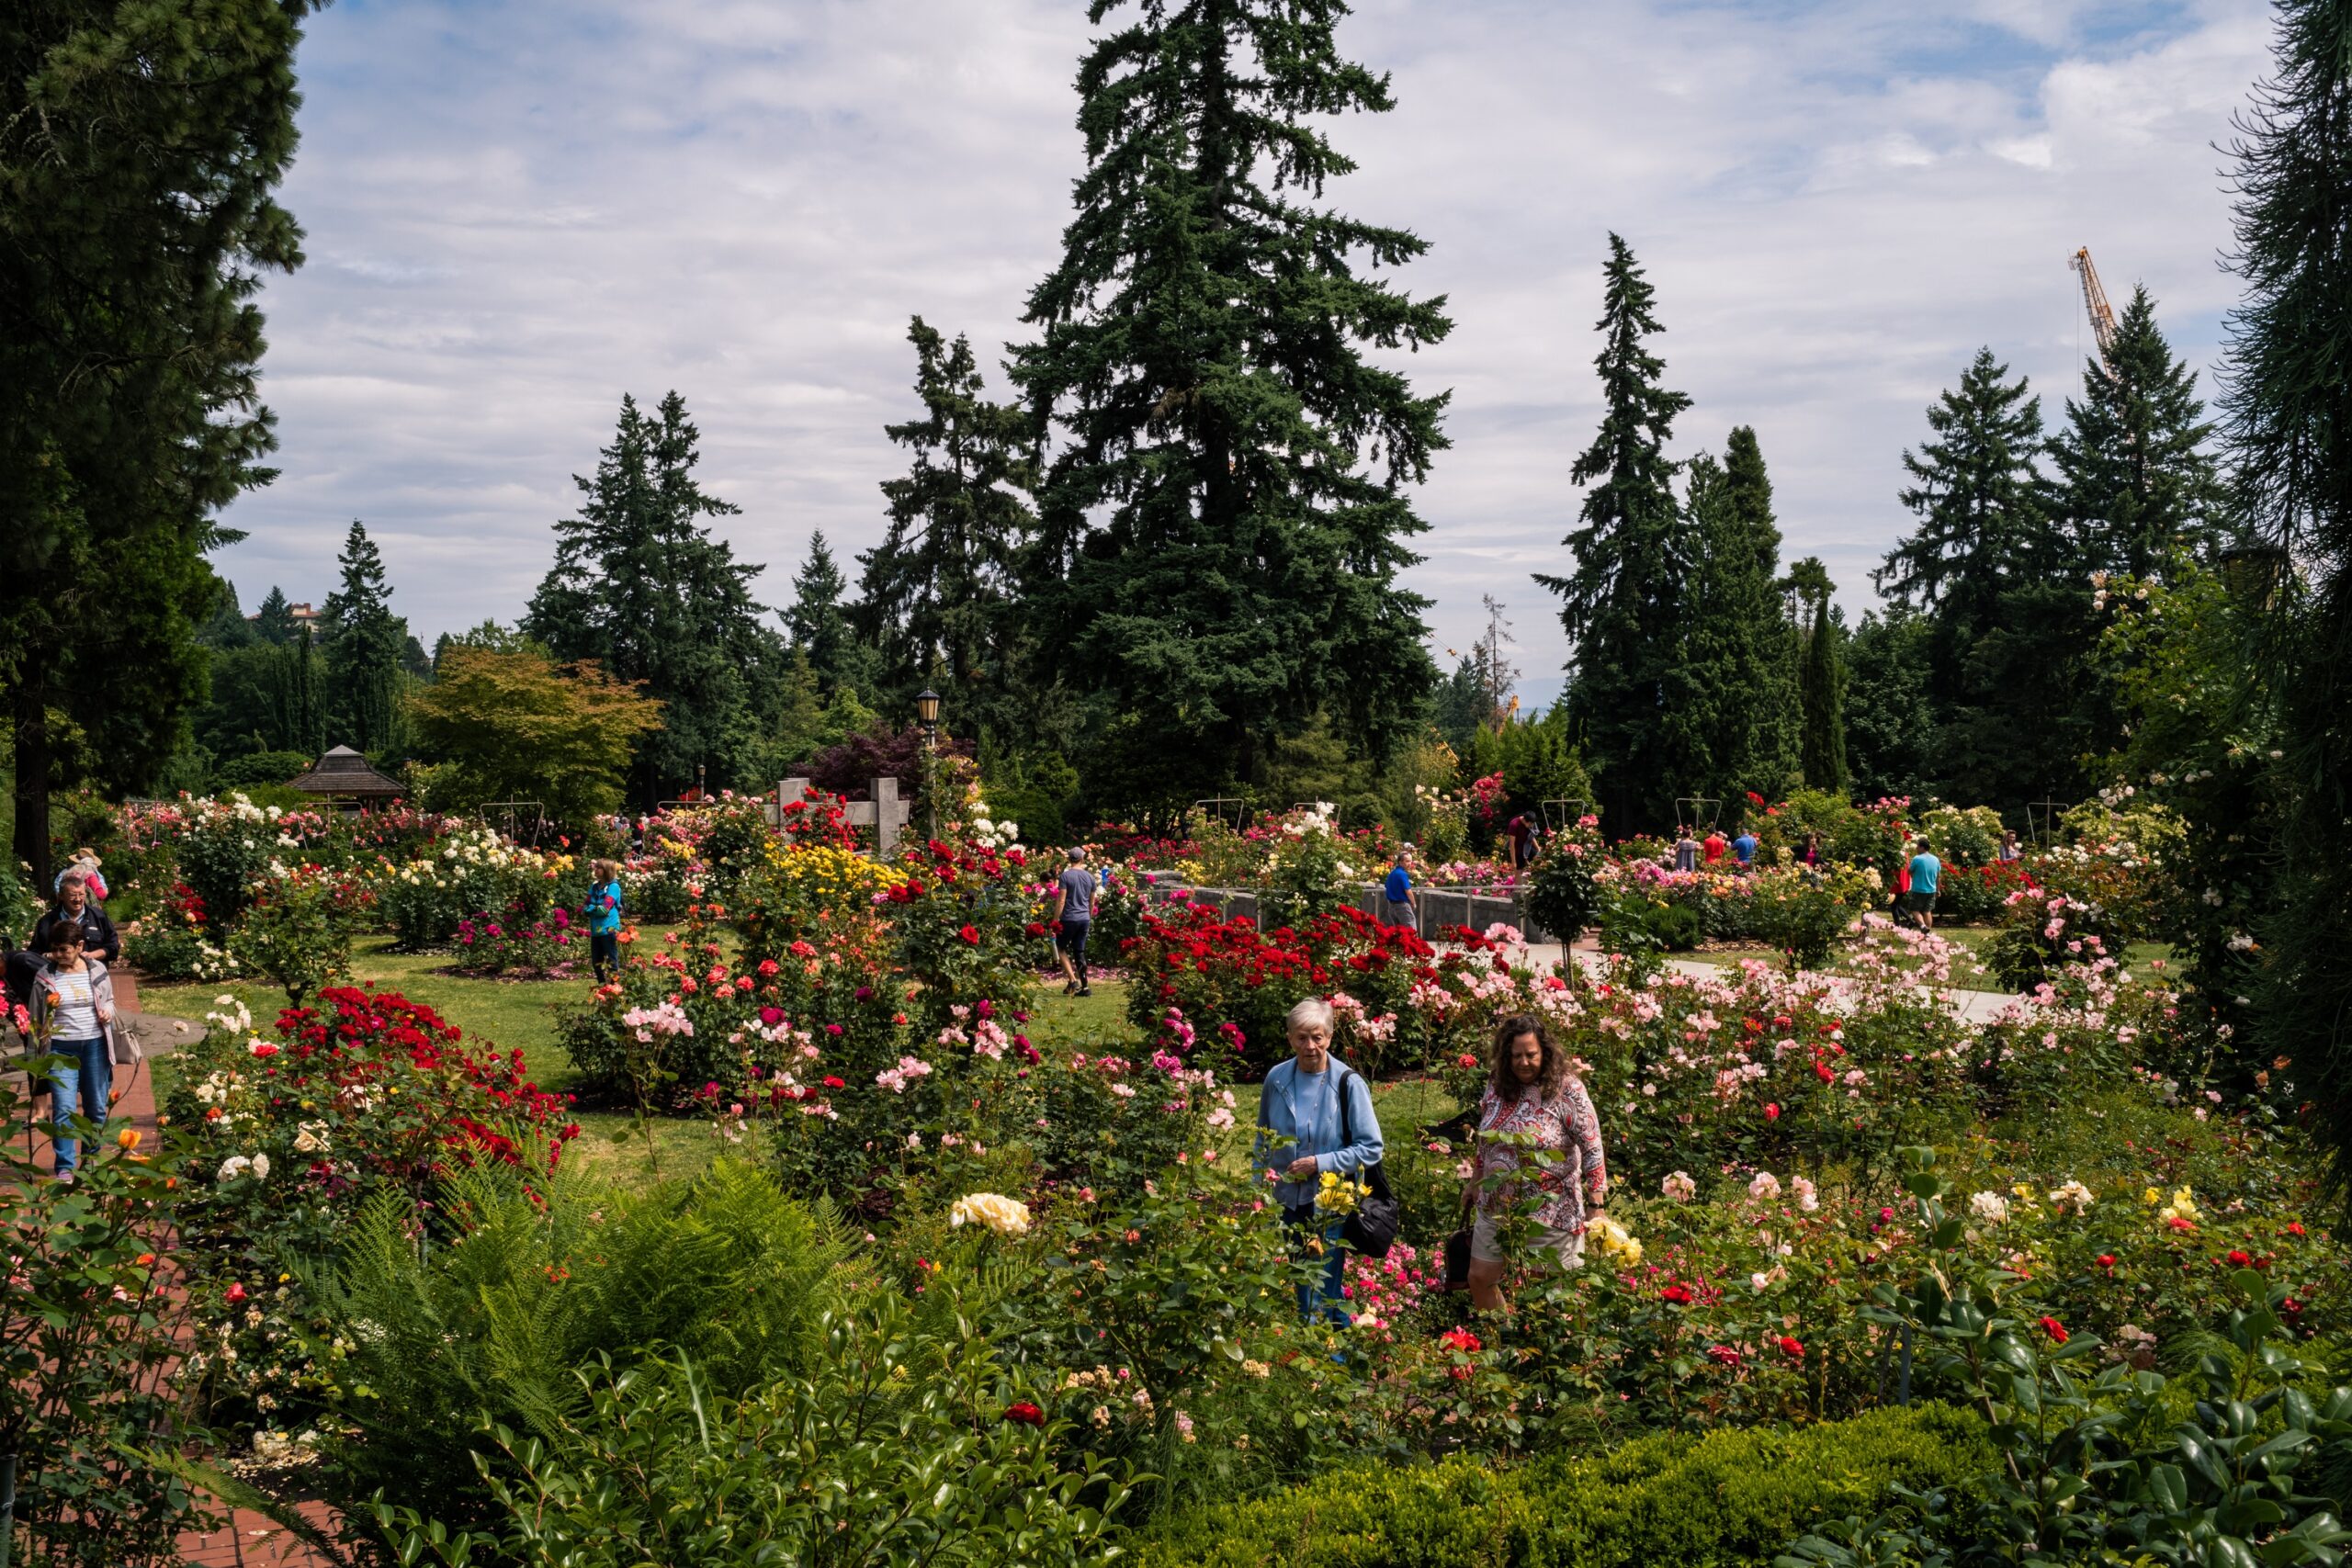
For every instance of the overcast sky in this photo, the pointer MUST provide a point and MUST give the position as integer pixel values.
(518, 209)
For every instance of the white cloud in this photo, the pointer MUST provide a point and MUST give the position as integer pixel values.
(517, 212)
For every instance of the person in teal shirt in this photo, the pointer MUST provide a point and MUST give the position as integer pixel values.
(604, 911)
(1925, 869)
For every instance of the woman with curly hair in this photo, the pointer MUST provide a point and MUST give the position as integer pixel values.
(1539, 1142)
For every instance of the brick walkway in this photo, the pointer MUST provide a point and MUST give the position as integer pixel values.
(247, 1541)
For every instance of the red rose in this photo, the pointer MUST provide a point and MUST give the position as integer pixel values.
(1025, 1413)
(970, 935)
(236, 1293)
(1791, 1347)
(2106, 1260)
(1771, 1113)
(2058, 1335)
(2240, 1258)
(1678, 1295)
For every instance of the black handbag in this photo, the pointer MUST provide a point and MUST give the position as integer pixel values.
(1371, 1227)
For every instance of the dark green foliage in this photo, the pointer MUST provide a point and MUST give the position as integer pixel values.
(936, 595)
(819, 623)
(2007, 602)
(264, 697)
(260, 768)
(1462, 706)
(641, 587)
(1727, 1498)
(2135, 483)
(274, 622)
(1621, 606)
(1222, 527)
(723, 1270)
(2290, 429)
(226, 626)
(139, 146)
(1890, 727)
(1821, 678)
(1729, 700)
(365, 647)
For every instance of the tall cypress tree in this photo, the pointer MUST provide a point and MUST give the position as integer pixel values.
(2288, 405)
(1222, 528)
(937, 592)
(1819, 662)
(640, 586)
(1622, 606)
(2135, 482)
(1766, 641)
(365, 644)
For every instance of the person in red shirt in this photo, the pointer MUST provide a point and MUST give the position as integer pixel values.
(1714, 846)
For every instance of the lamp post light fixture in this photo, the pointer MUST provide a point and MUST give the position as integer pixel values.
(927, 711)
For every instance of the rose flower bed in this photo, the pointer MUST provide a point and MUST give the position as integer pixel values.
(287, 1133)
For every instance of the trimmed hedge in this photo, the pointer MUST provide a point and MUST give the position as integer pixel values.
(1726, 1499)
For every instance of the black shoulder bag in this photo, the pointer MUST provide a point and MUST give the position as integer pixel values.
(1371, 1226)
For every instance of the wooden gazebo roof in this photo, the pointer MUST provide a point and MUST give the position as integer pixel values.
(344, 772)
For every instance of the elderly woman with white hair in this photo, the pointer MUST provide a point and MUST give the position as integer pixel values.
(1315, 1117)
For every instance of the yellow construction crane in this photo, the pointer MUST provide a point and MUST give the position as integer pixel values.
(2095, 303)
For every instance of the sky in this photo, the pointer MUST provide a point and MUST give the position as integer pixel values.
(518, 210)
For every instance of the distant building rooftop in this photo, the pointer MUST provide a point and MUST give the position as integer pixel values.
(344, 774)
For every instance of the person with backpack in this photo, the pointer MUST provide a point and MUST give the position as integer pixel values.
(604, 912)
(1314, 1118)
(1533, 1093)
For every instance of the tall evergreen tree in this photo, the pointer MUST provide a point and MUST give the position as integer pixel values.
(1222, 529)
(1461, 704)
(2288, 405)
(937, 592)
(365, 647)
(2135, 482)
(1729, 699)
(274, 622)
(819, 622)
(226, 626)
(140, 146)
(1622, 604)
(640, 586)
(2007, 605)
(1984, 523)
(1819, 662)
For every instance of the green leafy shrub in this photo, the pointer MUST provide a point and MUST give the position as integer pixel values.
(1562, 896)
(530, 1293)
(1728, 1498)
(906, 1442)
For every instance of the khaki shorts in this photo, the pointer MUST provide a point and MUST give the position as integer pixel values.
(1486, 1246)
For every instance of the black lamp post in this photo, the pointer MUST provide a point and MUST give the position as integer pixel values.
(927, 711)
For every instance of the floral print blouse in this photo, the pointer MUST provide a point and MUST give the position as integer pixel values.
(1565, 1124)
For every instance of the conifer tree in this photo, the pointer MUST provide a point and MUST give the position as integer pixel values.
(819, 622)
(365, 647)
(937, 592)
(641, 587)
(1821, 691)
(2135, 482)
(1621, 606)
(2007, 604)
(141, 146)
(2288, 410)
(1222, 527)
(274, 622)
(1764, 640)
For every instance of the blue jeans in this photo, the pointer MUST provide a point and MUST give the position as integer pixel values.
(1321, 1298)
(87, 1079)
